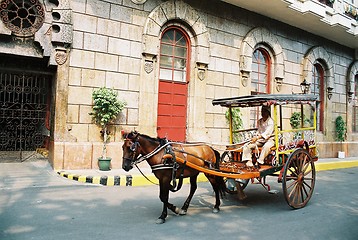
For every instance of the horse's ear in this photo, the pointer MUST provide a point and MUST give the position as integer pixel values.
(124, 134)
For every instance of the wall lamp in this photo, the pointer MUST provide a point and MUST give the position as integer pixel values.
(305, 86)
(329, 92)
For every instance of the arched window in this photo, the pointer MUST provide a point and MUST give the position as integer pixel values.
(317, 88)
(260, 78)
(355, 104)
(173, 56)
(260, 75)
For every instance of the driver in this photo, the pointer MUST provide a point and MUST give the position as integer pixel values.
(264, 138)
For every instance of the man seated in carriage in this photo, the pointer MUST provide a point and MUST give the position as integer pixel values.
(264, 138)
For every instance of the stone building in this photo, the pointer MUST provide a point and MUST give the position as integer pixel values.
(168, 60)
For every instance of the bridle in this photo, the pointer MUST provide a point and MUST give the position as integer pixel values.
(134, 149)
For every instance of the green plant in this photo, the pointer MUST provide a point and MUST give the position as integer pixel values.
(295, 120)
(340, 129)
(105, 110)
(236, 121)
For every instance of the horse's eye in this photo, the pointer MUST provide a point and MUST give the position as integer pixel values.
(132, 147)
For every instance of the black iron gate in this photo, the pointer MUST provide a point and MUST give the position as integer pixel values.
(24, 110)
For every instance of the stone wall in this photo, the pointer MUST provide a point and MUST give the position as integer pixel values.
(114, 40)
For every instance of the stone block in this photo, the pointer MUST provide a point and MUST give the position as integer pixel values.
(119, 46)
(77, 40)
(78, 6)
(95, 42)
(109, 27)
(84, 116)
(132, 98)
(136, 50)
(114, 150)
(117, 80)
(94, 133)
(78, 155)
(79, 95)
(133, 82)
(80, 132)
(74, 77)
(98, 8)
(84, 23)
(129, 65)
(131, 32)
(73, 114)
(93, 78)
(121, 13)
(106, 62)
(57, 153)
(132, 118)
(80, 58)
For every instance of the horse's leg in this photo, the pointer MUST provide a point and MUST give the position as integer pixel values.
(193, 187)
(216, 187)
(164, 185)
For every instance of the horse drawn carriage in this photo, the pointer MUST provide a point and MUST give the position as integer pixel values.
(291, 159)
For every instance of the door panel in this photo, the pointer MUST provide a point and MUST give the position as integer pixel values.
(172, 107)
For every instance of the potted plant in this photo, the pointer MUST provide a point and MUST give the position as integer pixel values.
(105, 110)
(340, 134)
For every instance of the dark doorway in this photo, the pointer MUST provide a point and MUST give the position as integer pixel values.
(25, 97)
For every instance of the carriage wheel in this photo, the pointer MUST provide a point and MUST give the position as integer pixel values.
(230, 182)
(298, 178)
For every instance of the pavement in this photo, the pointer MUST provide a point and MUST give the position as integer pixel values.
(119, 177)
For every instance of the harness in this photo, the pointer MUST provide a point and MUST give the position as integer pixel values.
(169, 162)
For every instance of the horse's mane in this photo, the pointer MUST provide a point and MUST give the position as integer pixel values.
(159, 140)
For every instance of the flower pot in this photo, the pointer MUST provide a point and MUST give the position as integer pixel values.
(104, 164)
(341, 154)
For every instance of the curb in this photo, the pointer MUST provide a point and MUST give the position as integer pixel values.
(139, 180)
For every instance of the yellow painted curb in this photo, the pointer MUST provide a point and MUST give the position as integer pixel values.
(325, 166)
(139, 180)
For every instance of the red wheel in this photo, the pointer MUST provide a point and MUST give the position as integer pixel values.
(298, 178)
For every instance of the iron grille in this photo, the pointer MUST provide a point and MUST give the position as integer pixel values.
(24, 111)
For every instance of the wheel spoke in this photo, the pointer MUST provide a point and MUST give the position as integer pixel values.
(304, 182)
(308, 172)
(293, 172)
(293, 189)
(305, 190)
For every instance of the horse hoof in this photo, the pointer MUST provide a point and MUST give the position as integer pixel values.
(160, 221)
(216, 210)
(177, 210)
(182, 212)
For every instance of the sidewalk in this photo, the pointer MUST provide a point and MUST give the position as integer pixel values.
(119, 177)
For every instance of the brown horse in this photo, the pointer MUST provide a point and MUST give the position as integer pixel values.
(160, 155)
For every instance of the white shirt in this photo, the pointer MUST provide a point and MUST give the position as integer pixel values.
(265, 128)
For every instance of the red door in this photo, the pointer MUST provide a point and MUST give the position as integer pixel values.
(172, 107)
(173, 84)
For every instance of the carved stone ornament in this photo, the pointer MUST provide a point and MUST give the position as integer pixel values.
(23, 18)
(148, 66)
(244, 77)
(201, 74)
(202, 67)
(61, 57)
(139, 1)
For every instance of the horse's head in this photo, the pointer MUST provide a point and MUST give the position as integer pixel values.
(131, 149)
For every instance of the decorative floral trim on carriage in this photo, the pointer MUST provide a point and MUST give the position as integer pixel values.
(296, 139)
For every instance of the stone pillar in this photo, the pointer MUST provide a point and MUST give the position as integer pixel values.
(196, 105)
(60, 100)
(148, 95)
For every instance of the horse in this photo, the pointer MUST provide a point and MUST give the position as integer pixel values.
(161, 156)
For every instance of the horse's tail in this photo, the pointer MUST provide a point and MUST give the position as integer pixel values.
(219, 180)
(217, 158)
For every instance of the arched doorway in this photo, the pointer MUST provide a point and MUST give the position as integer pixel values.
(173, 84)
(25, 103)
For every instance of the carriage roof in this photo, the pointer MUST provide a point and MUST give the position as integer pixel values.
(265, 99)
